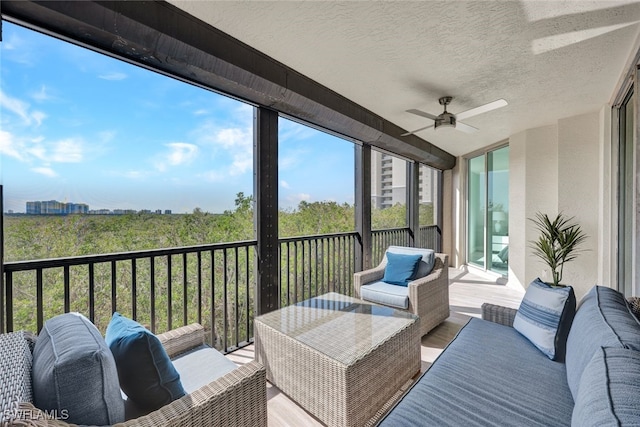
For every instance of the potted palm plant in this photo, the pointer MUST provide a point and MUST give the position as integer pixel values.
(558, 242)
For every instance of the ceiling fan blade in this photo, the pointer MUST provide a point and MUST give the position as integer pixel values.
(465, 127)
(481, 109)
(422, 114)
(417, 130)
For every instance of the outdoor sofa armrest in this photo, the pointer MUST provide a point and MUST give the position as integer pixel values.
(183, 339)
(238, 398)
(367, 276)
(498, 314)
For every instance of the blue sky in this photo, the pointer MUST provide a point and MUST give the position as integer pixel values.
(78, 126)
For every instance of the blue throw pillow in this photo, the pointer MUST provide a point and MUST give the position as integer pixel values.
(545, 316)
(401, 268)
(146, 373)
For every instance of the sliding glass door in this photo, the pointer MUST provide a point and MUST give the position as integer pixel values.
(488, 211)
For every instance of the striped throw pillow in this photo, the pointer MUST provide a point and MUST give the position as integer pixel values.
(545, 316)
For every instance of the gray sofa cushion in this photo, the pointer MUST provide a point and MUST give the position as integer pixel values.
(609, 390)
(74, 373)
(603, 319)
(386, 294)
(488, 375)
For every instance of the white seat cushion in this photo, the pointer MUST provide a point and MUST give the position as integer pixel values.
(200, 366)
(386, 294)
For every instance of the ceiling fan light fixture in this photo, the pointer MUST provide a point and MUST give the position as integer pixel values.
(445, 120)
(448, 120)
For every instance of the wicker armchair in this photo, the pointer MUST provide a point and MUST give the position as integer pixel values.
(428, 296)
(238, 398)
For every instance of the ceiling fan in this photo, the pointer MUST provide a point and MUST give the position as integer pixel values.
(447, 119)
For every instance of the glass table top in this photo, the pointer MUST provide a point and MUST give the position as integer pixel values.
(342, 327)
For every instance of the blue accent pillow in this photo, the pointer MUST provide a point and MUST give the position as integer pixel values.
(401, 268)
(545, 316)
(609, 390)
(146, 373)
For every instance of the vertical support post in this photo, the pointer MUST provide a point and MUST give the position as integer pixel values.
(413, 201)
(437, 208)
(265, 217)
(2, 284)
(363, 206)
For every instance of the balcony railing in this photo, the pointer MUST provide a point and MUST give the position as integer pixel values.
(163, 289)
(213, 285)
(313, 265)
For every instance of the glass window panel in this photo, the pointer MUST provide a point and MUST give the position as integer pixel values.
(316, 192)
(498, 210)
(476, 211)
(388, 191)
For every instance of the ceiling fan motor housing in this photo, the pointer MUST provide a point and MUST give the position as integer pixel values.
(445, 120)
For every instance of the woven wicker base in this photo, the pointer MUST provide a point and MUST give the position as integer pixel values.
(342, 365)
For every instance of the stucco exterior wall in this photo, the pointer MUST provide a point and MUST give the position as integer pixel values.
(563, 167)
(533, 166)
(578, 193)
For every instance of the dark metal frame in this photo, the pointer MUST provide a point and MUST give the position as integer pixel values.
(265, 190)
(362, 181)
(413, 201)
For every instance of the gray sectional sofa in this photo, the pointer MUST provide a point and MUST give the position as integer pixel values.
(491, 375)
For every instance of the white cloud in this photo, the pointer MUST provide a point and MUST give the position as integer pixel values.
(107, 135)
(46, 171)
(115, 76)
(41, 95)
(291, 158)
(284, 184)
(8, 146)
(15, 105)
(70, 150)
(236, 142)
(231, 137)
(21, 109)
(200, 112)
(19, 50)
(294, 199)
(38, 116)
(178, 153)
(290, 130)
(66, 151)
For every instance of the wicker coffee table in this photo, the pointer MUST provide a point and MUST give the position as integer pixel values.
(340, 358)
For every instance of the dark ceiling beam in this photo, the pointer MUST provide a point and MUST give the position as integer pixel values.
(162, 37)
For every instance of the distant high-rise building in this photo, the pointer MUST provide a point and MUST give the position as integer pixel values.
(167, 211)
(389, 181)
(54, 207)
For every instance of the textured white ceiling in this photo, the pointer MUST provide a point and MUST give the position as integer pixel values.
(548, 59)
